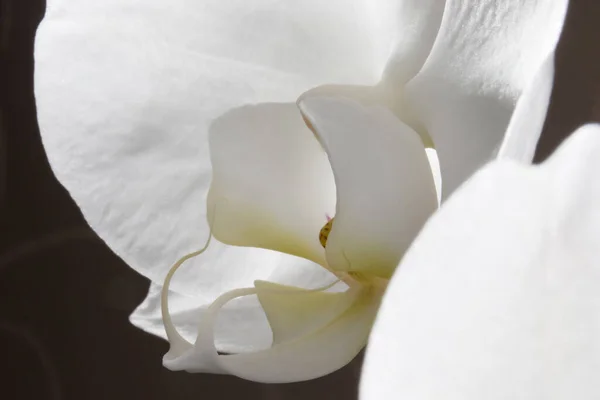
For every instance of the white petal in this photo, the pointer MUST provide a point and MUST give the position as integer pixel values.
(527, 122)
(498, 297)
(272, 183)
(485, 54)
(311, 356)
(126, 90)
(385, 187)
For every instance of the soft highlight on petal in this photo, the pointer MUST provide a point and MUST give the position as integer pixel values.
(498, 296)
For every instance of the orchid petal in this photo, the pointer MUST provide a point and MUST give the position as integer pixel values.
(498, 297)
(385, 187)
(527, 122)
(310, 356)
(126, 90)
(485, 54)
(272, 185)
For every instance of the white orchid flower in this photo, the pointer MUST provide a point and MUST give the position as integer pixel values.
(125, 124)
(287, 212)
(498, 297)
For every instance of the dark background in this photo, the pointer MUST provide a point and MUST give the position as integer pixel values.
(65, 297)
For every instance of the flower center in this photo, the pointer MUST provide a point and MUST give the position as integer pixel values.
(324, 232)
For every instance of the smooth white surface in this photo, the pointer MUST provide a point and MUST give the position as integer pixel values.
(498, 297)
